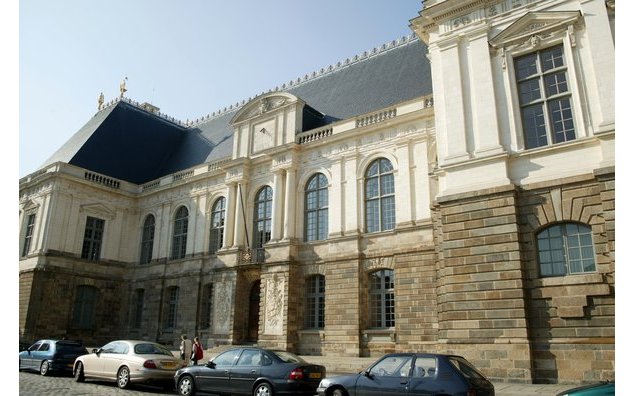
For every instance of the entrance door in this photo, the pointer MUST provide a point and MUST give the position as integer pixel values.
(254, 312)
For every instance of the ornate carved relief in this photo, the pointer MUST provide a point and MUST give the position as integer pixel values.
(274, 308)
(222, 308)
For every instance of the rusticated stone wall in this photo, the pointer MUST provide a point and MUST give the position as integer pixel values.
(571, 318)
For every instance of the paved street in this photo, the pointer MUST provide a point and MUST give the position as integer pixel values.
(33, 384)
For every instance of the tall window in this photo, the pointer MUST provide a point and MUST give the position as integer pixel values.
(147, 239)
(172, 307)
(382, 299)
(217, 225)
(28, 235)
(544, 97)
(262, 219)
(84, 307)
(207, 306)
(179, 240)
(316, 208)
(137, 308)
(565, 249)
(93, 235)
(379, 196)
(315, 301)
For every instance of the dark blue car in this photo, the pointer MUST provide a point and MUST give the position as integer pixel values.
(251, 371)
(411, 374)
(46, 356)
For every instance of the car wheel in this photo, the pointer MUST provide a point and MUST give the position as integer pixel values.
(338, 392)
(44, 368)
(123, 377)
(263, 389)
(79, 372)
(186, 386)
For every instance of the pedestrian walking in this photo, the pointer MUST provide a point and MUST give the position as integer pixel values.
(197, 351)
(186, 349)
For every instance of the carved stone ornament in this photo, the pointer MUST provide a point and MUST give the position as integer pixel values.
(263, 105)
(533, 26)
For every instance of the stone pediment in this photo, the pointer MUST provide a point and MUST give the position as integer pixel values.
(263, 104)
(99, 210)
(29, 206)
(535, 23)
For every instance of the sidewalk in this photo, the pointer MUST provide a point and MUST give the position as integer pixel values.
(506, 389)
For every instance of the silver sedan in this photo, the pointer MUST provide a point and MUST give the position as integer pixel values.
(128, 361)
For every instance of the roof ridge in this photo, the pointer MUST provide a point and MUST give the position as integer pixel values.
(139, 106)
(360, 57)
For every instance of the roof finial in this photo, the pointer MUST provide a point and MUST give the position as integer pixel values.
(122, 88)
(100, 102)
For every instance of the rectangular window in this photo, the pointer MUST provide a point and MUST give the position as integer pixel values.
(84, 307)
(28, 236)
(544, 97)
(93, 235)
(172, 306)
(137, 315)
(207, 306)
(315, 302)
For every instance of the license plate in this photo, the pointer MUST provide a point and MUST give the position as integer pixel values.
(168, 365)
(314, 375)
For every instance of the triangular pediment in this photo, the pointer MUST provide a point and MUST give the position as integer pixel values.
(29, 206)
(534, 23)
(99, 210)
(263, 104)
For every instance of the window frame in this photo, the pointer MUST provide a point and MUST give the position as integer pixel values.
(381, 300)
(217, 225)
(315, 312)
(549, 234)
(545, 100)
(84, 307)
(262, 203)
(137, 308)
(318, 230)
(171, 307)
(179, 234)
(93, 238)
(207, 306)
(385, 201)
(147, 239)
(28, 234)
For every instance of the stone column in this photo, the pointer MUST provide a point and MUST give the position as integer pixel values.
(230, 216)
(276, 220)
(290, 198)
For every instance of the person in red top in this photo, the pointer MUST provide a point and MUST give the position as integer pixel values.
(197, 351)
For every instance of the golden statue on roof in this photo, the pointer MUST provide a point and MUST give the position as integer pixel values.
(122, 88)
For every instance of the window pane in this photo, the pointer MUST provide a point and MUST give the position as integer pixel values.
(526, 66)
(534, 126)
(529, 91)
(552, 58)
(561, 119)
(556, 83)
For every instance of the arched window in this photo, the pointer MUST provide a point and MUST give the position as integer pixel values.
(216, 231)
(147, 239)
(171, 307)
(564, 249)
(379, 196)
(315, 301)
(316, 208)
(179, 240)
(262, 219)
(382, 299)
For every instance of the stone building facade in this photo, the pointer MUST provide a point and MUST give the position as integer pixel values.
(451, 191)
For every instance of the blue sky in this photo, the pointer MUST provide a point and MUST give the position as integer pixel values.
(189, 58)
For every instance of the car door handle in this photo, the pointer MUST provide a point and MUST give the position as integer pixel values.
(252, 371)
(404, 382)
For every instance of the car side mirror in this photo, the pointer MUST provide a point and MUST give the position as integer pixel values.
(211, 364)
(97, 351)
(366, 373)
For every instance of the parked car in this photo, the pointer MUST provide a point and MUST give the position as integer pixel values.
(47, 356)
(127, 362)
(601, 389)
(251, 371)
(412, 374)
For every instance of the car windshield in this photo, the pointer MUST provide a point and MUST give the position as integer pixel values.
(151, 349)
(465, 367)
(288, 357)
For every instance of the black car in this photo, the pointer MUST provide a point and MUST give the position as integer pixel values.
(411, 374)
(46, 356)
(251, 371)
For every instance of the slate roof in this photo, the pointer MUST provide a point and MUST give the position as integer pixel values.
(128, 143)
